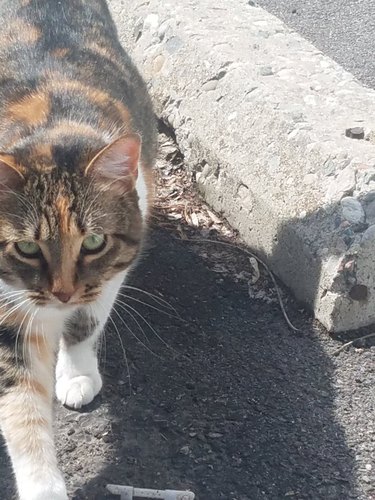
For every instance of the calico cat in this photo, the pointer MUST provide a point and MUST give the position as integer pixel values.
(77, 145)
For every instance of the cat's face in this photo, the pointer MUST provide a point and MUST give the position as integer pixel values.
(63, 234)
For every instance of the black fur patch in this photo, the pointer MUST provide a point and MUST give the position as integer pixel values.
(79, 327)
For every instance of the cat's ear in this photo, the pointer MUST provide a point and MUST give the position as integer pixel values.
(10, 175)
(116, 165)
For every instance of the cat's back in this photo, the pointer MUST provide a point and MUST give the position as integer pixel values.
(61, 62)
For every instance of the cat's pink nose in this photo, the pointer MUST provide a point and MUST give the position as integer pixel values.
(63, 296)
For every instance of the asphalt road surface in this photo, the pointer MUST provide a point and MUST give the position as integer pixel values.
(238, 407)
(342, 29)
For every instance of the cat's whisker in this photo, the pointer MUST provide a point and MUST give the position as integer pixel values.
(137, 323)
(9, 312)
(43, 332)
(133, 334)
(20, 329)
(102, 341)
(105, 215)
(26, 340)
(150, 306)
(12, 310)
(4, 318)
(22, 198)
(153, 296)
(122, 347)
(87, 191)
(12, 299)
(10, 294)
(24, 337)
(88, 209)
(125, 306)
(10, 302)
(103, 188)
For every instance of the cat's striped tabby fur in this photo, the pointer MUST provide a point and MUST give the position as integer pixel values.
(77, 143)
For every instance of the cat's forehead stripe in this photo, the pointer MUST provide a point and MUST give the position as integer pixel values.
(64, 214)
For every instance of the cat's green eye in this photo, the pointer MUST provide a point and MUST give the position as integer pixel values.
(94, 243)
(27, 248)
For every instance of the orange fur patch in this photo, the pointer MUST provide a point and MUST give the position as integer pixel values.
(60, 52)
(43, 150)
(18, 31)
(96, 96)
(63, 209)
(32, 109)
(102, 51)
(71, 239)
(64, 277)
(42, 348)
(68, 127)
(35, 387)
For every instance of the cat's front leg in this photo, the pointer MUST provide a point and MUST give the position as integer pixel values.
(26, 388)
(78, 379)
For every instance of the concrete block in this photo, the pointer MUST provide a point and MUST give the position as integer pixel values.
(262, 118)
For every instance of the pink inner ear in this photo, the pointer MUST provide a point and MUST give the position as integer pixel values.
(119, 160)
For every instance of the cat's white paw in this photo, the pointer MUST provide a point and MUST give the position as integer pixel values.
(78, 391)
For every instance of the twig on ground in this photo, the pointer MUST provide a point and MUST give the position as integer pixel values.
(130, 493)
(351, 342)
(290, 324)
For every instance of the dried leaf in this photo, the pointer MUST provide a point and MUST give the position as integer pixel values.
(174, 216)
(214, 217)
(194, 219)
(255, 266)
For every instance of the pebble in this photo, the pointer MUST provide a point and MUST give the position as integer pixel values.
(368, 235)
(310, 179)
(369, 176)
(215, 435)
(266, 71)
(355, 133)
(352, 210)
(344, 184)
(151, 22)
(158, 63)
(329, 168)
(370, 212)
(210, 85)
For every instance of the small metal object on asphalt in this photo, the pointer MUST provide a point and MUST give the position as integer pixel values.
(355, 133)
(131, 493)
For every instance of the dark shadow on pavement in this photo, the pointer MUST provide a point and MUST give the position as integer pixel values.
(245, 411)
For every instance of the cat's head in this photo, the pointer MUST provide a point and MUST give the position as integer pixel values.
(65, 231)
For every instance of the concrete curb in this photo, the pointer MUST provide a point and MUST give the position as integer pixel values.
(260, 116)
